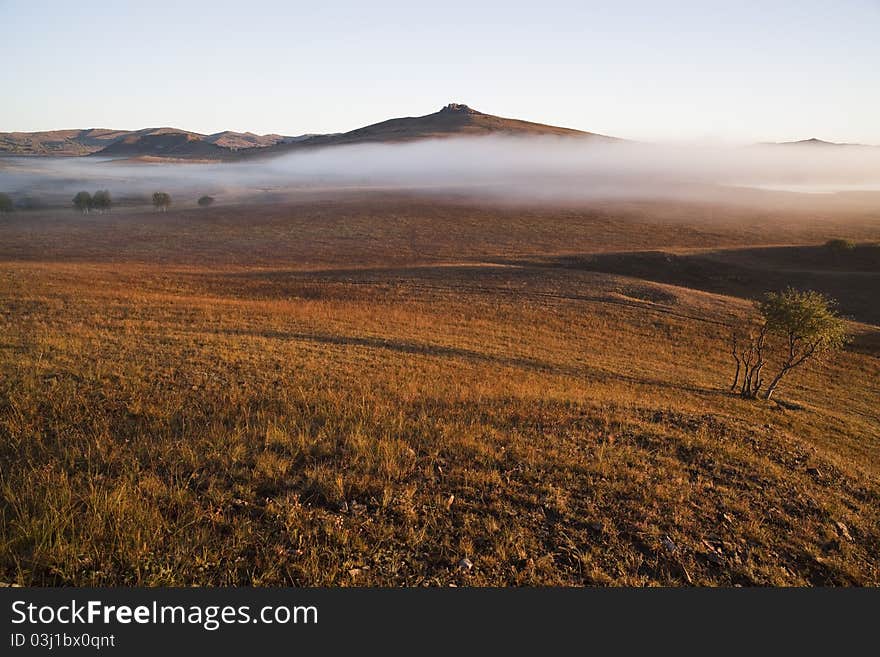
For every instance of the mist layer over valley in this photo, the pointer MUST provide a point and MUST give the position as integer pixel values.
(517, 168)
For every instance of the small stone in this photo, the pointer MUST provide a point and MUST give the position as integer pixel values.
(465, 564)
(668, 544)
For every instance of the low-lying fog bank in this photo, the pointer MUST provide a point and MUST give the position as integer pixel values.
(521, 168)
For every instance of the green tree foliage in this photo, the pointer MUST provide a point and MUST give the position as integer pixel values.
(205, 201)
(161, 201)
(6, 204)
(794, 328)
(83, 202)
(839, 245)
(101, 200)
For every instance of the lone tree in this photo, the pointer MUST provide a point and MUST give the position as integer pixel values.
(5, 203)
(83, 202)
(205, 201)
(802, 326)
(102, 200)
(161, 201)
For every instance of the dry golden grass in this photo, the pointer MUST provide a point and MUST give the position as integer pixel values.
(332, 409)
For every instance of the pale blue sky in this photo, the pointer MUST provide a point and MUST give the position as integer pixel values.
(732, 71)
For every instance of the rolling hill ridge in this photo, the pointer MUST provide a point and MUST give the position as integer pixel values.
(452, 120)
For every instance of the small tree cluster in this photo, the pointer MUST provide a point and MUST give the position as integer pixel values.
(100, 201)
(161, 201)
(6, 204)
(795, 327)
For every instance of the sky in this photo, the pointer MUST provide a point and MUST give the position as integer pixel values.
(726, 72)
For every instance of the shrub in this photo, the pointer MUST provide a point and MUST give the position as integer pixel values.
(161, 201)
(839, 245)
(102, 200)
(83, 202)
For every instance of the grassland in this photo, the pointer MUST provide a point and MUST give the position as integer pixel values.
(369, 389)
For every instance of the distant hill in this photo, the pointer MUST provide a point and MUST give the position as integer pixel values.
(452, 120)
(159, 142)
(164, 143)
(815, 142)
(58, 142)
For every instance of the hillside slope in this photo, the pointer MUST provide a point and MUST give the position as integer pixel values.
(239, 140)
(246, 395)
(171, 143)
(58, 142)
(454, 119)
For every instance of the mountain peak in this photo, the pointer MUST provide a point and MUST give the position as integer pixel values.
(458, 108)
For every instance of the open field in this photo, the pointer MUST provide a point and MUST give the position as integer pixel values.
(369, 388)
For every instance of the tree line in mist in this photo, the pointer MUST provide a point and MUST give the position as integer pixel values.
(102, 201)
